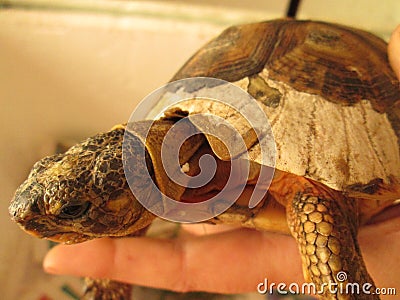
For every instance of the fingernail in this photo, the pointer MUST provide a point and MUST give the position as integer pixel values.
(48, 266)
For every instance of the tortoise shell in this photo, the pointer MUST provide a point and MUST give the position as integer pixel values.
(330, 95)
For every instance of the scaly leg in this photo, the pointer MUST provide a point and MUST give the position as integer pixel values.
(326, 233)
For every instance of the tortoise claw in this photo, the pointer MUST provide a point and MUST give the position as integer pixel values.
(105, 289)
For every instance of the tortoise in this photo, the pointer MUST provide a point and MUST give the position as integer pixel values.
(333, 105)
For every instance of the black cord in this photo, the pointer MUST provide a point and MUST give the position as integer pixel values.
(293, 8)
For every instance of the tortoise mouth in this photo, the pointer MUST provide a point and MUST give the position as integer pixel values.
(68, 238)
(58, 236)
(47, 229)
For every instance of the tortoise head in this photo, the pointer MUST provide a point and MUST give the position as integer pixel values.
(79, 195)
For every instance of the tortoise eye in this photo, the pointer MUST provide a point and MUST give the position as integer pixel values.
(73, 210)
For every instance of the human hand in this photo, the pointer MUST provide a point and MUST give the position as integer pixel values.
(394, 51)
(228, 261)
(232, 261)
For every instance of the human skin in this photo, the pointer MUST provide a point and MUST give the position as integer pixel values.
(224, 259)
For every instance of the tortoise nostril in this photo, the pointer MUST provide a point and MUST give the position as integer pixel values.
(24, 204)
(14, 211)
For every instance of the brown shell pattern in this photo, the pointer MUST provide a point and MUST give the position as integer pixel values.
(330, 95)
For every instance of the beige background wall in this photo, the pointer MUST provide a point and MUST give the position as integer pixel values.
(69, 69)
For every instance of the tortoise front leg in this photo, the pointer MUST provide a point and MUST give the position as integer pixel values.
(326, 234)
(105, 289)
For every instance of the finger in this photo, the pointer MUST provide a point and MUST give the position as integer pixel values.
(206, 229)
(394, 51)
(380, 244)
(230, 262)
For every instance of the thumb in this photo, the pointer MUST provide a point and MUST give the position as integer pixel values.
(394, 51)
